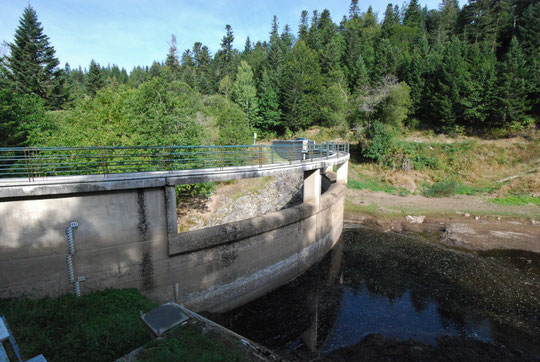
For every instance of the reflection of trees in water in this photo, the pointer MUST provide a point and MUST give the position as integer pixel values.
(465, 287)
(306, 308)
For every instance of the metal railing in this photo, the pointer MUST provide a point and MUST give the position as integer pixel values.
(38, 162)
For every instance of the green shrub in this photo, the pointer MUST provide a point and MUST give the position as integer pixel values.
(441, 189)
(203, 188)
(380, 140)
(422, 162)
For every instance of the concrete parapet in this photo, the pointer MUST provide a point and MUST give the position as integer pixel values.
(128, 238)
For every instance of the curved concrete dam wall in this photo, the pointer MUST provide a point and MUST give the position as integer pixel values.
(129, 238)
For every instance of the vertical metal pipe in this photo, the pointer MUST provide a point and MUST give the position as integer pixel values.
(71, 273)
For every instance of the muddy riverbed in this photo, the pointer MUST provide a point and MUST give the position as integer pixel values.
(397, 297)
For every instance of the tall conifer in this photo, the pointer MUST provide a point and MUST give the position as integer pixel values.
(32, 67)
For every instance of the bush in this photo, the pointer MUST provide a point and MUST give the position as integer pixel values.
(441, 189)
(380, 140)
(203, 188)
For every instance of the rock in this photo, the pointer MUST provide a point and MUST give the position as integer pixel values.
(467, 214)
(397, 227)
(415, 219)
(285, 191)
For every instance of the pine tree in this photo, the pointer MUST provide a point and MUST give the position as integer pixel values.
(390, 21)
(301, 87)
(484, 20)
(202, 62)
(287, 38)
(155, 69)
(32, 65)
(248, 47)
(354, 11)
(413, 15)
(94, 79)
(448, 86)
(303, 27)
(172, 62)
(245, 93)
(449, 11)
(224, 61)
(270, 114)
(189, 73)
(511, 101)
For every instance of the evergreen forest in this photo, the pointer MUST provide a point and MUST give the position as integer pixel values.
(367, 76)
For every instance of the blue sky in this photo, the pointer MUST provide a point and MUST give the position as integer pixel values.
(137, 32)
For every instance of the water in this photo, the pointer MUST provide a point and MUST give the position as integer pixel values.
(402, 288)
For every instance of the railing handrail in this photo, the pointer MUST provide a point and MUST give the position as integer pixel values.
(38, 162)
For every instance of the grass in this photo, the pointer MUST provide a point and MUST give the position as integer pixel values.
(447, 188)
(186, 343)
(516, 200)
(101, 326)
(366, 183)
(452, 187)
(462, 189)
(370, 209)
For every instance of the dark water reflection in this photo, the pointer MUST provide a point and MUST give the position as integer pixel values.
(402, 288)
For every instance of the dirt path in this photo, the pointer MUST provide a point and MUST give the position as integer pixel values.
(467, 222)
(417, 204)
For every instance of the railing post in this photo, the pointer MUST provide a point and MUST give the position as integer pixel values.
(27, 166)
(221, 157)
(170, 160)
(272, 153)
(327, 151)
(104, 162)
(260, 156)
(290, 154)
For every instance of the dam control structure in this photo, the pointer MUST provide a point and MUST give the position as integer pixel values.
(74, 220)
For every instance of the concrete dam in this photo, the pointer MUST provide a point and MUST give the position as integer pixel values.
(79, 233)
